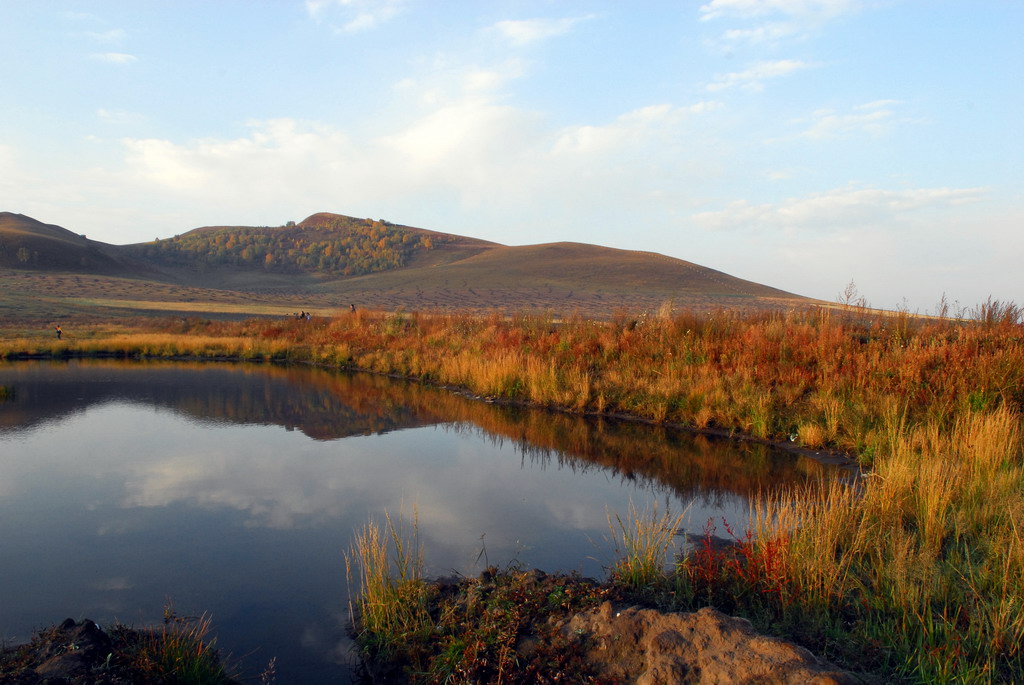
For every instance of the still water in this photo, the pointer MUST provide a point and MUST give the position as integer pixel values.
(235, 490)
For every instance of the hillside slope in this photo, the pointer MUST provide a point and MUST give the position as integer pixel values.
(328, 262)
(562, 278)
(26, 243)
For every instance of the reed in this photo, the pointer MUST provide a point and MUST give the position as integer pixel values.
(384, 569)
(148, 345)
(925, 558)
(180, 652)
(465, 632)
(641, 546)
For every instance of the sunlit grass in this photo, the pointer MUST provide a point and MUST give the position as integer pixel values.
(152, 345)
(182, 651)
(244, 308)
(384, 568)
(641, 542)
(925, 558)
(824, 381)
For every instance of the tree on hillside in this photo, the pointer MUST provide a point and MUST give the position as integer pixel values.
(339, 245)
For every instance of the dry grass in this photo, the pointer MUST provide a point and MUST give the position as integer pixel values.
(641, 543)
(827, 380)
(181, 651)
(925, 559)
(148, 345)
(384, 569)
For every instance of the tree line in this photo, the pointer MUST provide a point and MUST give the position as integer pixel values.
(342, 245)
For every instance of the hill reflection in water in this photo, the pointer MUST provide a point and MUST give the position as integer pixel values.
(327, 405)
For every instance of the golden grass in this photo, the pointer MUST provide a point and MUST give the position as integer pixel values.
(211, 307)
(832, 382)
(927, 553)
(144, 345)
(641, 544)
(384, 569)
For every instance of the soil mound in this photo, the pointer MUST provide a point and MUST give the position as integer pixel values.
(647, 647)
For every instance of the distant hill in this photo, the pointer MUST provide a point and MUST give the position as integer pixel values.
(329, 261)
(327, 245)
(26, 243)
(561, 278)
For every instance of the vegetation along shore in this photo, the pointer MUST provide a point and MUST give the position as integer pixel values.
(914, 572)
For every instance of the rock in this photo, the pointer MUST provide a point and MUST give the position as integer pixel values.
(648, 647)
(73, 649)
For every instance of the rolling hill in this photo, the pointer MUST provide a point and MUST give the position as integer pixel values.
(329, 261)
(26, 243)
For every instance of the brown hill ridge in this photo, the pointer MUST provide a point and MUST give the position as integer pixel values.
(328, 262)
(26, 243)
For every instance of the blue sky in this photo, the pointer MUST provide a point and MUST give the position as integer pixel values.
(798, 143)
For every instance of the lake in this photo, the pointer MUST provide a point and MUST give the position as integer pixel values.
(234, 490)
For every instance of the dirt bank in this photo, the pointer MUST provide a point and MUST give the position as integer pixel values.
(648, 647)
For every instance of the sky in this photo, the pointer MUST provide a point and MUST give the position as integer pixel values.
(803, 144)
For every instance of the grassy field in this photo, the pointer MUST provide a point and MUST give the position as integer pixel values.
(915, 573)
(40, 300)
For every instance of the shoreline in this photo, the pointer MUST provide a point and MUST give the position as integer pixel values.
(837, 458)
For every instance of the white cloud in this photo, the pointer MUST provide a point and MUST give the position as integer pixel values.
(277, 154)
(8, 173)
(913, 242)
(111, 36)
(755, 77)
(354, 16)
(467, 152)
(31, 185)
(479, 80)
(631, 128)
(167, 165)
(78, 16)
(6, 157)
(118, 116)
(841, 208)
(461, 141)
(771, 32)
(525, 31)
(793, 8)
(448, 83)
(484, 80)
(873, 118)
(776, 20)
(879, 104)
(315, 8)
(116, 57)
